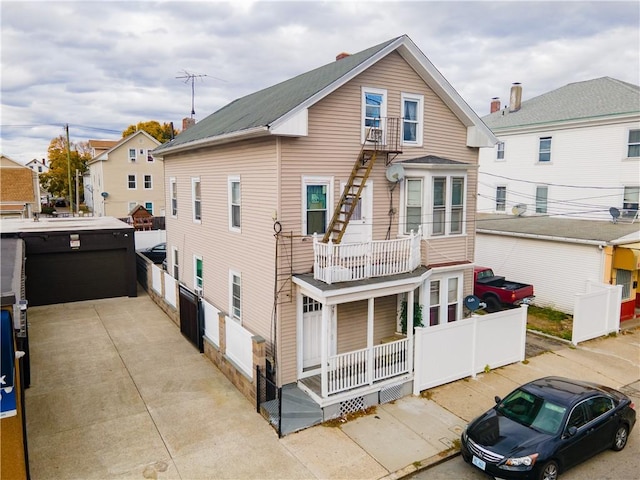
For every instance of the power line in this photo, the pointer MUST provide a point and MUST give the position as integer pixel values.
(551, 184)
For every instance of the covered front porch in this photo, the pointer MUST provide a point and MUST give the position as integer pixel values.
(348, 341)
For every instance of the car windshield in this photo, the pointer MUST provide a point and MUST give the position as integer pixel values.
(532, 411)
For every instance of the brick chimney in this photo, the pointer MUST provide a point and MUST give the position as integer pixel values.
(188, 122)
(342, 55)
(495, 104)
(515, 100)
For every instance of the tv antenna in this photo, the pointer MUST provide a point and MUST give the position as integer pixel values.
(191, 77)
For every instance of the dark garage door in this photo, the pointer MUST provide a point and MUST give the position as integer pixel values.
(74, 276)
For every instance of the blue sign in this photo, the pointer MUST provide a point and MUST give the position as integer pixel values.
(7, 367)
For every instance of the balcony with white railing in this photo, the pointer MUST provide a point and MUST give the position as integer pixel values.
(343, 262)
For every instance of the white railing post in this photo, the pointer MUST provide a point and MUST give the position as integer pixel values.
(329, 267)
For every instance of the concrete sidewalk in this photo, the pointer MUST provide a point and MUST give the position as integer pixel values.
(117, 392)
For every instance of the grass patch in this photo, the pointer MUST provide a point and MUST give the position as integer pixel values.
(550, 321)
(336, 422)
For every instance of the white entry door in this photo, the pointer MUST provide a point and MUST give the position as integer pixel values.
(360, 226)
(311, 333)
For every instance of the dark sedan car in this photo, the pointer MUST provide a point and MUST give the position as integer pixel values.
(547, 426)
(157, 253)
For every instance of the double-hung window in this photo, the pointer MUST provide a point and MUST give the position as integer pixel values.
(198, 280)
(501, 198)
(175, 263)
(235, 295)
(173, 189)
(149, 207)
(132, 154)
(131, 182)
(150, 158)
(374, 112)
(412, 115)
(544, 152)
(148, 182)
(447, 205)
(500, 151)
(413, 213)
(542, 193)
(316, 204)
(634, 144)
(196, 197)
(445, 298)
(630, 201)
(234, 203)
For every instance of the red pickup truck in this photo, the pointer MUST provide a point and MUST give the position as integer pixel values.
(497, 292)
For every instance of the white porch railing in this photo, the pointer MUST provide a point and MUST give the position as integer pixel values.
(367, 366)
(356, 261)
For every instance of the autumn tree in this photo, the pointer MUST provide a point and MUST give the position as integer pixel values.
(56, 180)
(163, 133)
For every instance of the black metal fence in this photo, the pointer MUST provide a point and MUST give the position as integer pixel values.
(269, 399)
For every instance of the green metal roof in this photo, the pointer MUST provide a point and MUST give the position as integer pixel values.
(591, 99)
(262, 108)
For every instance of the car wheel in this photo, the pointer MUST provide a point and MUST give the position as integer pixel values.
(549, 471)
(492, 304)
(621, 437)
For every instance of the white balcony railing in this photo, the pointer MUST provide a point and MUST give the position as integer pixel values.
(356, 261)
(366, 366)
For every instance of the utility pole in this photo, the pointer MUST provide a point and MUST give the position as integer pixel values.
(69, 169)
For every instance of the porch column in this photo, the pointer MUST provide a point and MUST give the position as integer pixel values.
(370, 362)
(410, 302)
(324, 348)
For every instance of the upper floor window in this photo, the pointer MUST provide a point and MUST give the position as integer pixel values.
(542, 192)
(447, 205)
(198, 280)
(148, 183)
(501, 198)
(412, 114)
(149, 207)
(316, 205)
(234, 203)
(413, 214)
(132, 154)
(630, 201)
(544, 152)
(236, 297)
(149, 156)
(634, 144)
(197, 199)
(374, 110)
(173, 189)
(131, 182)
(175, 263)
(500, 151)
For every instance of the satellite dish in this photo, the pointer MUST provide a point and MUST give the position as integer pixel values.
(615, 214)
(395, 173)
(519, 209)
(104, 194)
(473, 303)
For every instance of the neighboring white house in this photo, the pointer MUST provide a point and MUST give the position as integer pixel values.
(39, 166)
(574, 151)
(562, 187)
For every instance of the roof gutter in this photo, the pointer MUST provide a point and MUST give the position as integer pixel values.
(217, 140)
(599, 243)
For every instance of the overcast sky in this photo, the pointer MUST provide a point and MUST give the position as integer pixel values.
(101, 66)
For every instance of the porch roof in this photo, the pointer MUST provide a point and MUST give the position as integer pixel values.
(360, 289)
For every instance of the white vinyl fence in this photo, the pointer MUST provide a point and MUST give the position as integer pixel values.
(148, 238)
(239, 347)
(170, 289)
(211, 323)
(596, 312)
(448, 352)
(156, 279)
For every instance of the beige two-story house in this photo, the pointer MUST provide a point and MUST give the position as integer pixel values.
(19, 190)
(322, 212)
(125, 175)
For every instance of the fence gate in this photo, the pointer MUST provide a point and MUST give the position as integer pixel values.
(191, 317)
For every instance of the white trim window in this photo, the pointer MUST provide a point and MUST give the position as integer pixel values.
(132, 182)
(445, 299)
(234, 197)
(412, 119)
(150, 158)
(316, 204)
(374, 110)
(630, 200)
(447, 203)
(501, 198)
(148, 182)
(173, 192)
(413, 205)
(132, 205)
(235, 295)
(633, 145)
(149, 207)
(132, 155)
(542, 194)
(500, 151)
(198, 274)
(624, 277)
(544, 149)
(175, 263)
(196, 199)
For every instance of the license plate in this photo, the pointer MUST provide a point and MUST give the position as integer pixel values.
(481, 464)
